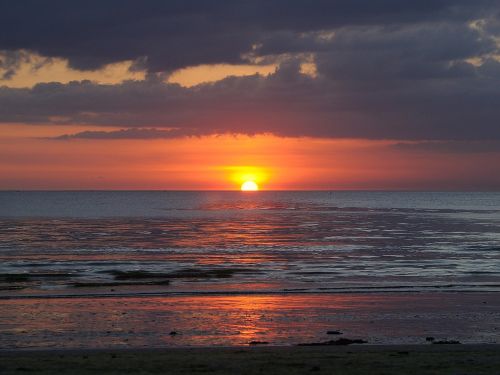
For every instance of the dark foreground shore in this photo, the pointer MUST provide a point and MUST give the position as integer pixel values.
(415, 359)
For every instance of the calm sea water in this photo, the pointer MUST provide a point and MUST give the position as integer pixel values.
(131, 243)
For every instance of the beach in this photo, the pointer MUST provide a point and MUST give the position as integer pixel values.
(222, 282)
(285, 319)
(420, 359)
(252, 334)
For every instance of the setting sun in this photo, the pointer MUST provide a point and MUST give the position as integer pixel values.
(249, 186)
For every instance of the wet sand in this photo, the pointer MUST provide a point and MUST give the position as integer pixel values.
(236, 320)
(416, 359)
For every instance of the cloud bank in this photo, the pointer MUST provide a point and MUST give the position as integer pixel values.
(384, 69)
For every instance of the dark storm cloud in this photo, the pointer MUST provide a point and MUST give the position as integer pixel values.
(178, 33)
(418, 52)
(415, 70)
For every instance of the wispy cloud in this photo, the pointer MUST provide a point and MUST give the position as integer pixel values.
(133, 133)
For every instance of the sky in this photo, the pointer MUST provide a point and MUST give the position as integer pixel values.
(205, 94)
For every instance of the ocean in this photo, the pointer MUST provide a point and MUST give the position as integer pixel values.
(314, 250)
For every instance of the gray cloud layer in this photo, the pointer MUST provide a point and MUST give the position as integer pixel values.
(177, 33)
(386, 69)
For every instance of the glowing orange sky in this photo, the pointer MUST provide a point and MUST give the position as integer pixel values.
(369, 97)
(28, 161)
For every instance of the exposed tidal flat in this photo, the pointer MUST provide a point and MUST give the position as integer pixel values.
(144, 321)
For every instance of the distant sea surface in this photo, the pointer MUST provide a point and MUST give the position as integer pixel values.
(248, 242)
(142, 269)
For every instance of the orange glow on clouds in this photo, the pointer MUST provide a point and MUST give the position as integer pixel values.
(195, 75)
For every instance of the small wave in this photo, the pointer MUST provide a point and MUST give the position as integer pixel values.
(462, 288)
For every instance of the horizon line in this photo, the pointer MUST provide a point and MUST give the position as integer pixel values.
(256, 192)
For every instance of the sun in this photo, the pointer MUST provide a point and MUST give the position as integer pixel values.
(249, 186)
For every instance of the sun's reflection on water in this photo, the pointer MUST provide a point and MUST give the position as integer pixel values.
(239, 319)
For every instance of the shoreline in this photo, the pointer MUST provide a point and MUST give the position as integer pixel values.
(331, 291)
(437, 290)
(355, 359)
